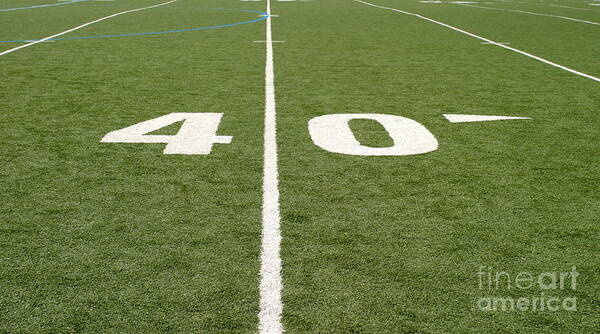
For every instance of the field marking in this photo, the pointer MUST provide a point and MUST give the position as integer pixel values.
(503, 43)
(269, 42)
(530, 13)
(197, 134)
(564, 68)
(271, 305)
(263, 16)
(460, 118)
(540, 4)
(496, 2)
(543, 2)
(333, 134)
(578, 8)
(82, 26)
(42, 6)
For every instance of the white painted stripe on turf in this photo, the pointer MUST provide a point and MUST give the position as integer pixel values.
(271, 305)
(564, 68)
(81, 26)
(578, 8)
(460, 118)
(530, 13)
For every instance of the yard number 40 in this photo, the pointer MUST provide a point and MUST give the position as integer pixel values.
(332, 133)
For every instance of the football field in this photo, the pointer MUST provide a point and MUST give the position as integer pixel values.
(300, 166)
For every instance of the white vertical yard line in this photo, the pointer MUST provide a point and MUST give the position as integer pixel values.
(271, 285)
(564, 68)
(82, 26)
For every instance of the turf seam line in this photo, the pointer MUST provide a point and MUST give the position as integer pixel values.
(82, 26)
(271, 306)
(540, 59)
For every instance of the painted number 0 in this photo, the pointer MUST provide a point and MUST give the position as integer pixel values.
(332, 133)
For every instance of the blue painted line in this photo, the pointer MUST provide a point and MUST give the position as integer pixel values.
(264, 16)
(41, 6)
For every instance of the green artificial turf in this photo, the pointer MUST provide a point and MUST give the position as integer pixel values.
(121, 238)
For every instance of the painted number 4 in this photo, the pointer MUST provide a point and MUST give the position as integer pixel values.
(197, 134)
(332, 133)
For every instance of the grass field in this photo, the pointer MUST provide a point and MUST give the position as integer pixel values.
(114, 237)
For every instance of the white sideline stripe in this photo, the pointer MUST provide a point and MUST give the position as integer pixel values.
(81, 26)
(564, 68)
(461, 118)
(533, 3)
(530, 13)
(540, 4)
(578, 8)
(271, 306)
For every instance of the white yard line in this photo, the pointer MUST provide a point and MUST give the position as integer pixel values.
(530, 13)
(271, 305)
(81, 26)
(564, 68)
